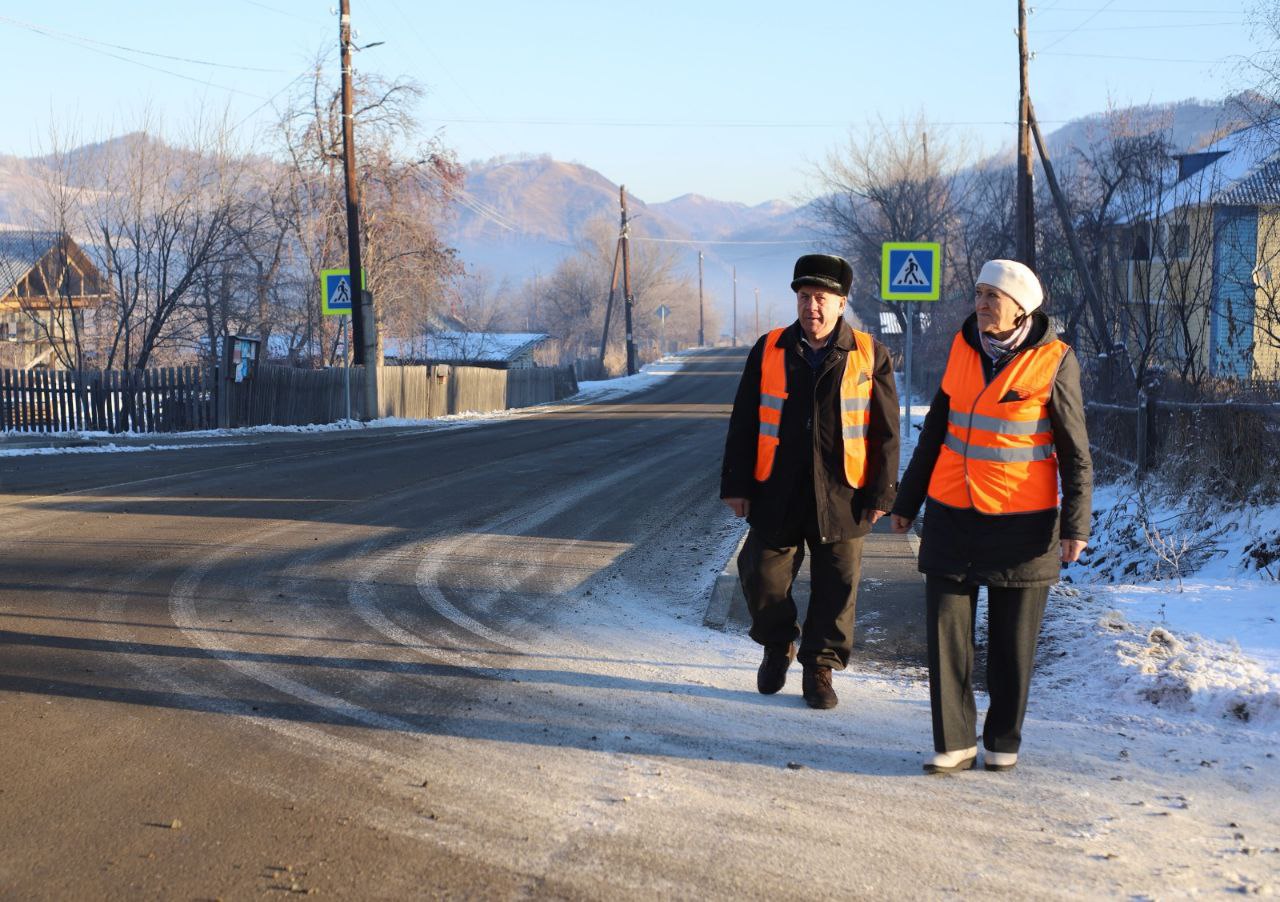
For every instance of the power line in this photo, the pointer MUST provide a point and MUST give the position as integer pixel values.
(1109, 8)
(277, 10)
(1139, 59)
(618, 123)
(1106, 28)
(1095, 15)
(422, 43)
(200, 81)
(49, 32)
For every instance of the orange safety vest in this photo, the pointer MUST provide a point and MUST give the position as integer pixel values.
(998, 455)
(855, 406)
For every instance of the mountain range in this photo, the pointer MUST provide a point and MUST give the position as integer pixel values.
(517, 217)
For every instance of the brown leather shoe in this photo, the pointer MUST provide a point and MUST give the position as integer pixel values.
(816, 686)
(772, 675)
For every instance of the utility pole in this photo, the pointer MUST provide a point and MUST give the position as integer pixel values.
(1024, 218)
(702, 339)
(363, 322)
(1101, 335)
(626, 281)
(735, 306)
(608, 308)
(353, 189)
(757, 311)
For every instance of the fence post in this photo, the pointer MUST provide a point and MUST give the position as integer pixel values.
(1143, 423)
(1153, 432)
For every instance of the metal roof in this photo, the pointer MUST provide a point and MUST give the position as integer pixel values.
(20, 251)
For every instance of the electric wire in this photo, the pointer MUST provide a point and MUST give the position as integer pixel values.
(1078, 27)
(82, 39)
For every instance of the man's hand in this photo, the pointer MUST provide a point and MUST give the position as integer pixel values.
(739, 506)
(1071, 550)
(899, 523)
(876, 515)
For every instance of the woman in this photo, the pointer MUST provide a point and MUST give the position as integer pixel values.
(1004, 432)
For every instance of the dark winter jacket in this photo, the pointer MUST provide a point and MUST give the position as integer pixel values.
(809, 467)
(1014, 549)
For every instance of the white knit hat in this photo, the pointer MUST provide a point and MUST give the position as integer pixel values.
(1014, 279)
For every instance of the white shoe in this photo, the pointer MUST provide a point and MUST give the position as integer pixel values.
(999, 760)
(951, 762)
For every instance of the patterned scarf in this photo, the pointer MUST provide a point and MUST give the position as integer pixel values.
(1000, 350)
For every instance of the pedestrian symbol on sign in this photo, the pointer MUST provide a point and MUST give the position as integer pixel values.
(341, 296)
(910, 274)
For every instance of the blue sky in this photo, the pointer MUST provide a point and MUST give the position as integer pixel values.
(731, 100)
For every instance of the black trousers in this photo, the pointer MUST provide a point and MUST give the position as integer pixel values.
(767, 572)
(1013, 625)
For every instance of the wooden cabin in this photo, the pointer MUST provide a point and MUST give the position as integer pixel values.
(46, 284)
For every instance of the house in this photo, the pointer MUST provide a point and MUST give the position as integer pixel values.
(498, 350)
(46, 285)
(1202, 270)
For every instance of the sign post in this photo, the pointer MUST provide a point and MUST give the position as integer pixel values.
(910, 271)
(663, 312)
(335, 300)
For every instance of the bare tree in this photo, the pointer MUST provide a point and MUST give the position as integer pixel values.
(893, 182)
(159, 222)
(570, 303)
(404, 199)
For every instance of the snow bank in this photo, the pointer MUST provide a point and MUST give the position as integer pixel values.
(1176, 607)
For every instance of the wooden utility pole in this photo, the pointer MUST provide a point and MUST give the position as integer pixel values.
(1025, 214)
(626, 281)
(353, 188)
(608, 308)
(702, 339)
(363, 321)
(1092, 299)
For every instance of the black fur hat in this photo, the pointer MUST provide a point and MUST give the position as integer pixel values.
(825, 271)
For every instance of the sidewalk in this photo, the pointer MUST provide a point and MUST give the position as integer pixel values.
(890, 624)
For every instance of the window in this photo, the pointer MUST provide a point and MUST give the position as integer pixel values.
(1177, 240)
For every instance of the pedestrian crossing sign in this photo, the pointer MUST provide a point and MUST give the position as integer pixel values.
(910, 271)
(335, 291)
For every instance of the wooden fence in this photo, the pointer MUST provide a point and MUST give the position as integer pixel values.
(166, 399)
(177, 399)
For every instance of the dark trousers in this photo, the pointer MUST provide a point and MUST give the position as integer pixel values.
(1013, 624)
(767, 572)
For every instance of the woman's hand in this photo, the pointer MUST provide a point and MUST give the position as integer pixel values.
(899, 523)
(1072, 549)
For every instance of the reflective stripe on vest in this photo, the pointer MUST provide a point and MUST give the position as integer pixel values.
(855, 406)
(998, 455)
(773, 392)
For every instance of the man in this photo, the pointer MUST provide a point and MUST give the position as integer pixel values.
(811, 458)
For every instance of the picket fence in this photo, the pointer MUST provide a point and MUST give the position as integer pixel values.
(180, 399)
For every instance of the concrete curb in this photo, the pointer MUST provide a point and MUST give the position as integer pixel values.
(725, 592)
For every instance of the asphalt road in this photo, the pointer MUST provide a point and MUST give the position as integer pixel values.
(258, 641)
